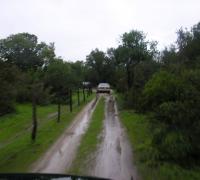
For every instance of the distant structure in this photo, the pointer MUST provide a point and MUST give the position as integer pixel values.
(86, 84)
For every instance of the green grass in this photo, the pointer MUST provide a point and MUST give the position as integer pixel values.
(90, 140)
(12, 124)
(21, 153)
(81, 98)
(140, 137)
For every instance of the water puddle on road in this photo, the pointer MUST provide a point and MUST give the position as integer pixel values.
(60, 156)
(114, 157)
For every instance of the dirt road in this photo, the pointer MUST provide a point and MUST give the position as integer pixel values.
(60, 156)
(114, 156)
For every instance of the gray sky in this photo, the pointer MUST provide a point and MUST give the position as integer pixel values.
(78, 26)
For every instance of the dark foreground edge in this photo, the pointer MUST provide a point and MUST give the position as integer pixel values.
(41, 176)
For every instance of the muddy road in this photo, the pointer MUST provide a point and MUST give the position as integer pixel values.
(60, 156)
(114, 156)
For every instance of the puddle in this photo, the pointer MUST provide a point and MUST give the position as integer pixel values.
(60, 156)
(114, 157)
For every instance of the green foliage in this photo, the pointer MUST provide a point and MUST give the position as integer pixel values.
(77, 73)
(8, 76)
(171, 94)
(59, 78)
(24, 51)
(38, 75)
(17, 152)
(143, 72)
(162, 87)
(169, 56)
(134, 49)
(6, 99)
(188, 44)
(146, 155)
(100, 67)
(25, 82)
(175, 102)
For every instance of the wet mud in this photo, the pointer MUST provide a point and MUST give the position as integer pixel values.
(60, 156)
(114, 158)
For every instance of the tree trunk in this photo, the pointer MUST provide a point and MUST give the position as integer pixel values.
(83, 94)
(34, 119)
(128, 72)
(88, 92)
(58, 118)
(78, 97)
(70, 100)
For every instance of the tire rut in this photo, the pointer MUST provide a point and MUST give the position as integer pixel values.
(114, 157)
(60, 156)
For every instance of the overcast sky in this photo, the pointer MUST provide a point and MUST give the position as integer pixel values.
(78, 26)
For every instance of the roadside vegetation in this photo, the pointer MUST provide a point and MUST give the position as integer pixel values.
(90, 141)
(164, 88)
(12, 125)
(31, 73)
(17, 152)
(161, 110)
(145, 155)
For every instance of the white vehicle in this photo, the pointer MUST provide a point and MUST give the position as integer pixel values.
(103, 88)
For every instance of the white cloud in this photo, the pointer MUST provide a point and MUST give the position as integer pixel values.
(79, 26)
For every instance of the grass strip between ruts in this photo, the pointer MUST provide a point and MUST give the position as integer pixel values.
(90, 140)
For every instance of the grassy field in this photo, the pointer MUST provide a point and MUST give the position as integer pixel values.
(140, 137)
(75, 97)
(13, 124)
(90, 140)
(17, 151)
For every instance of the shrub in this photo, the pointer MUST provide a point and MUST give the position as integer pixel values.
(8, 76)
(175, 103)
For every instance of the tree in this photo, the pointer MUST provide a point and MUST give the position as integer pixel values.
(162, 87)
(143, 73)
(95, 62)
(188, 45)
(78, 73)
(47, 53)
(59, 77)
(8, 76)
(37, 93)
(25, 52)
(133, 49)
(175, 102)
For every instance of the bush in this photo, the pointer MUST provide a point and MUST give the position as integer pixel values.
(175, 103)
(142, 73)
(169, 135)
(161, 88)
(6, 98)
(8, 76)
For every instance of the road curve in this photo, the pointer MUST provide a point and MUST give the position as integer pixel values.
(60, 156)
